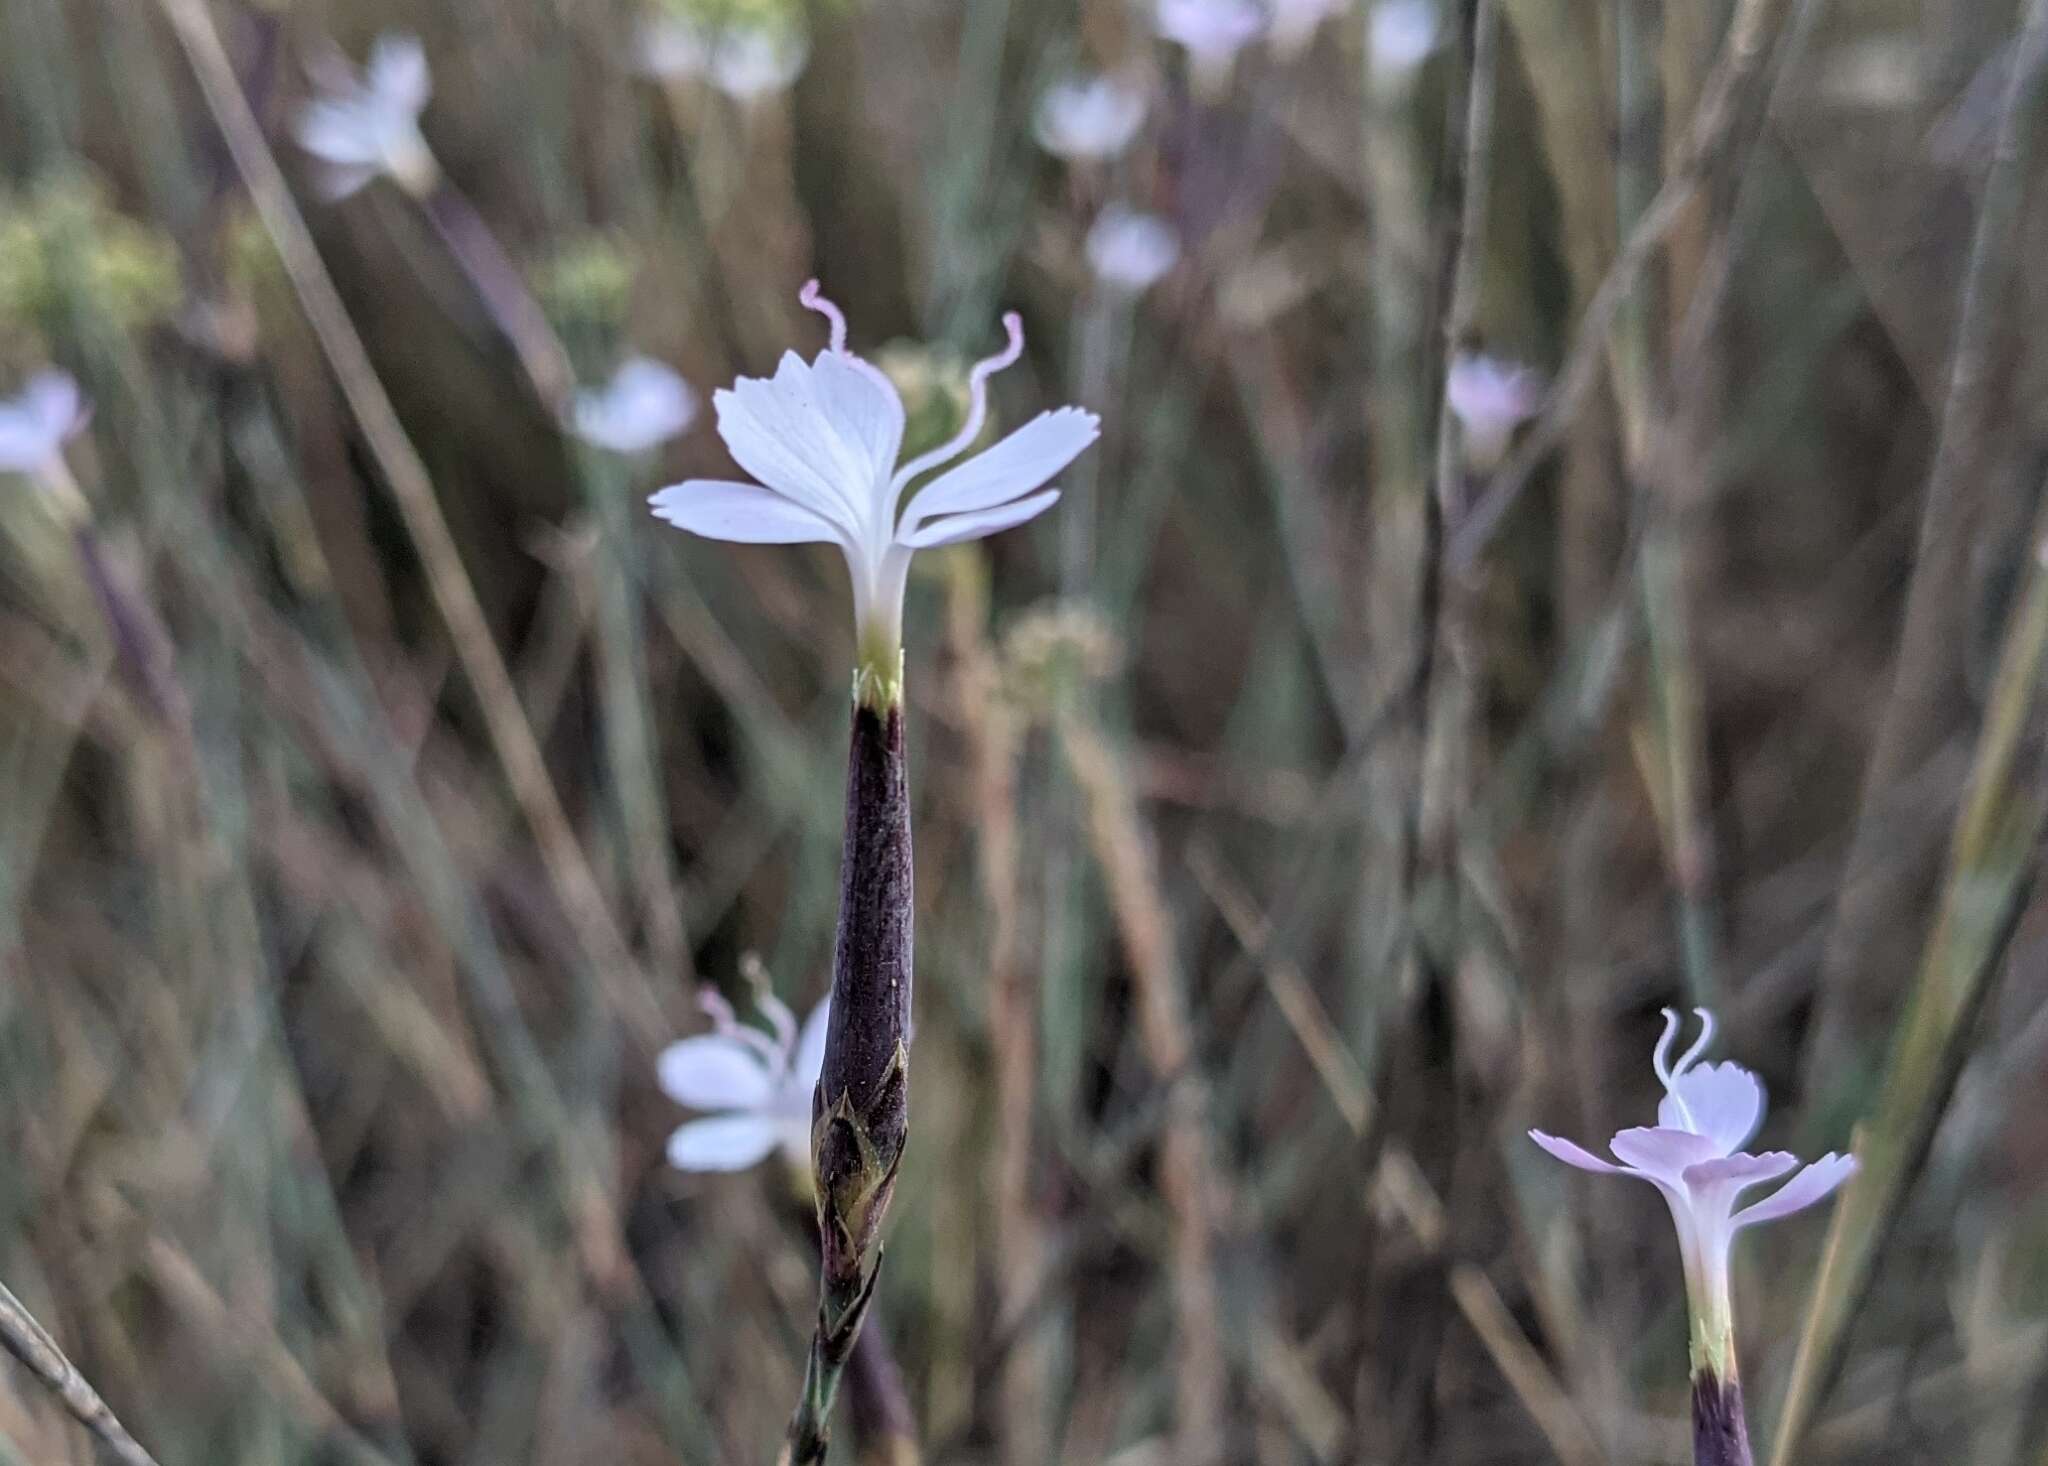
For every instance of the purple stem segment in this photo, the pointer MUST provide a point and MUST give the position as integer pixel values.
(1720, 1432)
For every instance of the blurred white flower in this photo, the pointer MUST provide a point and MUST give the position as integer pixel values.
(35, 426)
(822, 438)
(1088, 119)
(360, 127)
(1693, 1156)
(644, 405)
(754, 1087)
(1295, 22)
(746, 62)
(1212, 32)
(1403, 35)
(1131, 251)
(1490, 398)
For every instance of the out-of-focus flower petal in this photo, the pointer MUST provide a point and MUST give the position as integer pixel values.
(1023, 461)
(808, 1062)
(397, 72)
(713, 1072)
(1803, 1190)
(1088, 119)
(35, 425)
(644, 405)
(1131, 251)
(743, 514)
(724, 1142)
(1210, 30)
(1404, 34)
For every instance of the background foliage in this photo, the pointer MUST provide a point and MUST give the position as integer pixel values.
(1271, 884)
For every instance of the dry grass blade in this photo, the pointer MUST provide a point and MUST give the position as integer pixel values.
(454, 595)
(1188, 1178)
(29, 1342)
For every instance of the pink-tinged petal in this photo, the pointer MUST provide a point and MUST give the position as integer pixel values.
(809, 1060)
(339, 132)
(55, 400)
(397, 72)
(713, 1072)
(1660, 1153)
(1741, 1170)
(770, 428)
(1575, 1155)
(1723, 1102)
(1803, 1190)
(1025, 460)
(955, 528)
(724, 1143)
(745, 514)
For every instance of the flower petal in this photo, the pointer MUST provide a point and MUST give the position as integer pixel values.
(1802, 1191)
(808, 1062)
(713, 1072)
(954, 528)
(644, 405)
(745, 514)
(1575, 1155)
(1661, 1153)
(1741, 1170)
(337, 131)
(864, 413)
(1023, 461)
(724, 1143)
(771, 429)
(397, 72)
(1724, 1102)
(55, 400)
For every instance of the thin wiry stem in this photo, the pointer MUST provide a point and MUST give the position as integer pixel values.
(454, 595)
(31, 1343)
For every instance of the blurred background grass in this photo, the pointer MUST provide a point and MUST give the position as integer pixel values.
(1271, 883)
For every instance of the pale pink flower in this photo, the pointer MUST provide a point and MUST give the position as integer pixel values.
(1404, 33)
(34, 427)
(1130, 251)
(821, 438)
(1212, 32)
(1088, 119)
(1490, 398)
(1693, 1155)
(746, 62)
(644, 405)
(361, 127)
(755, 1087)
